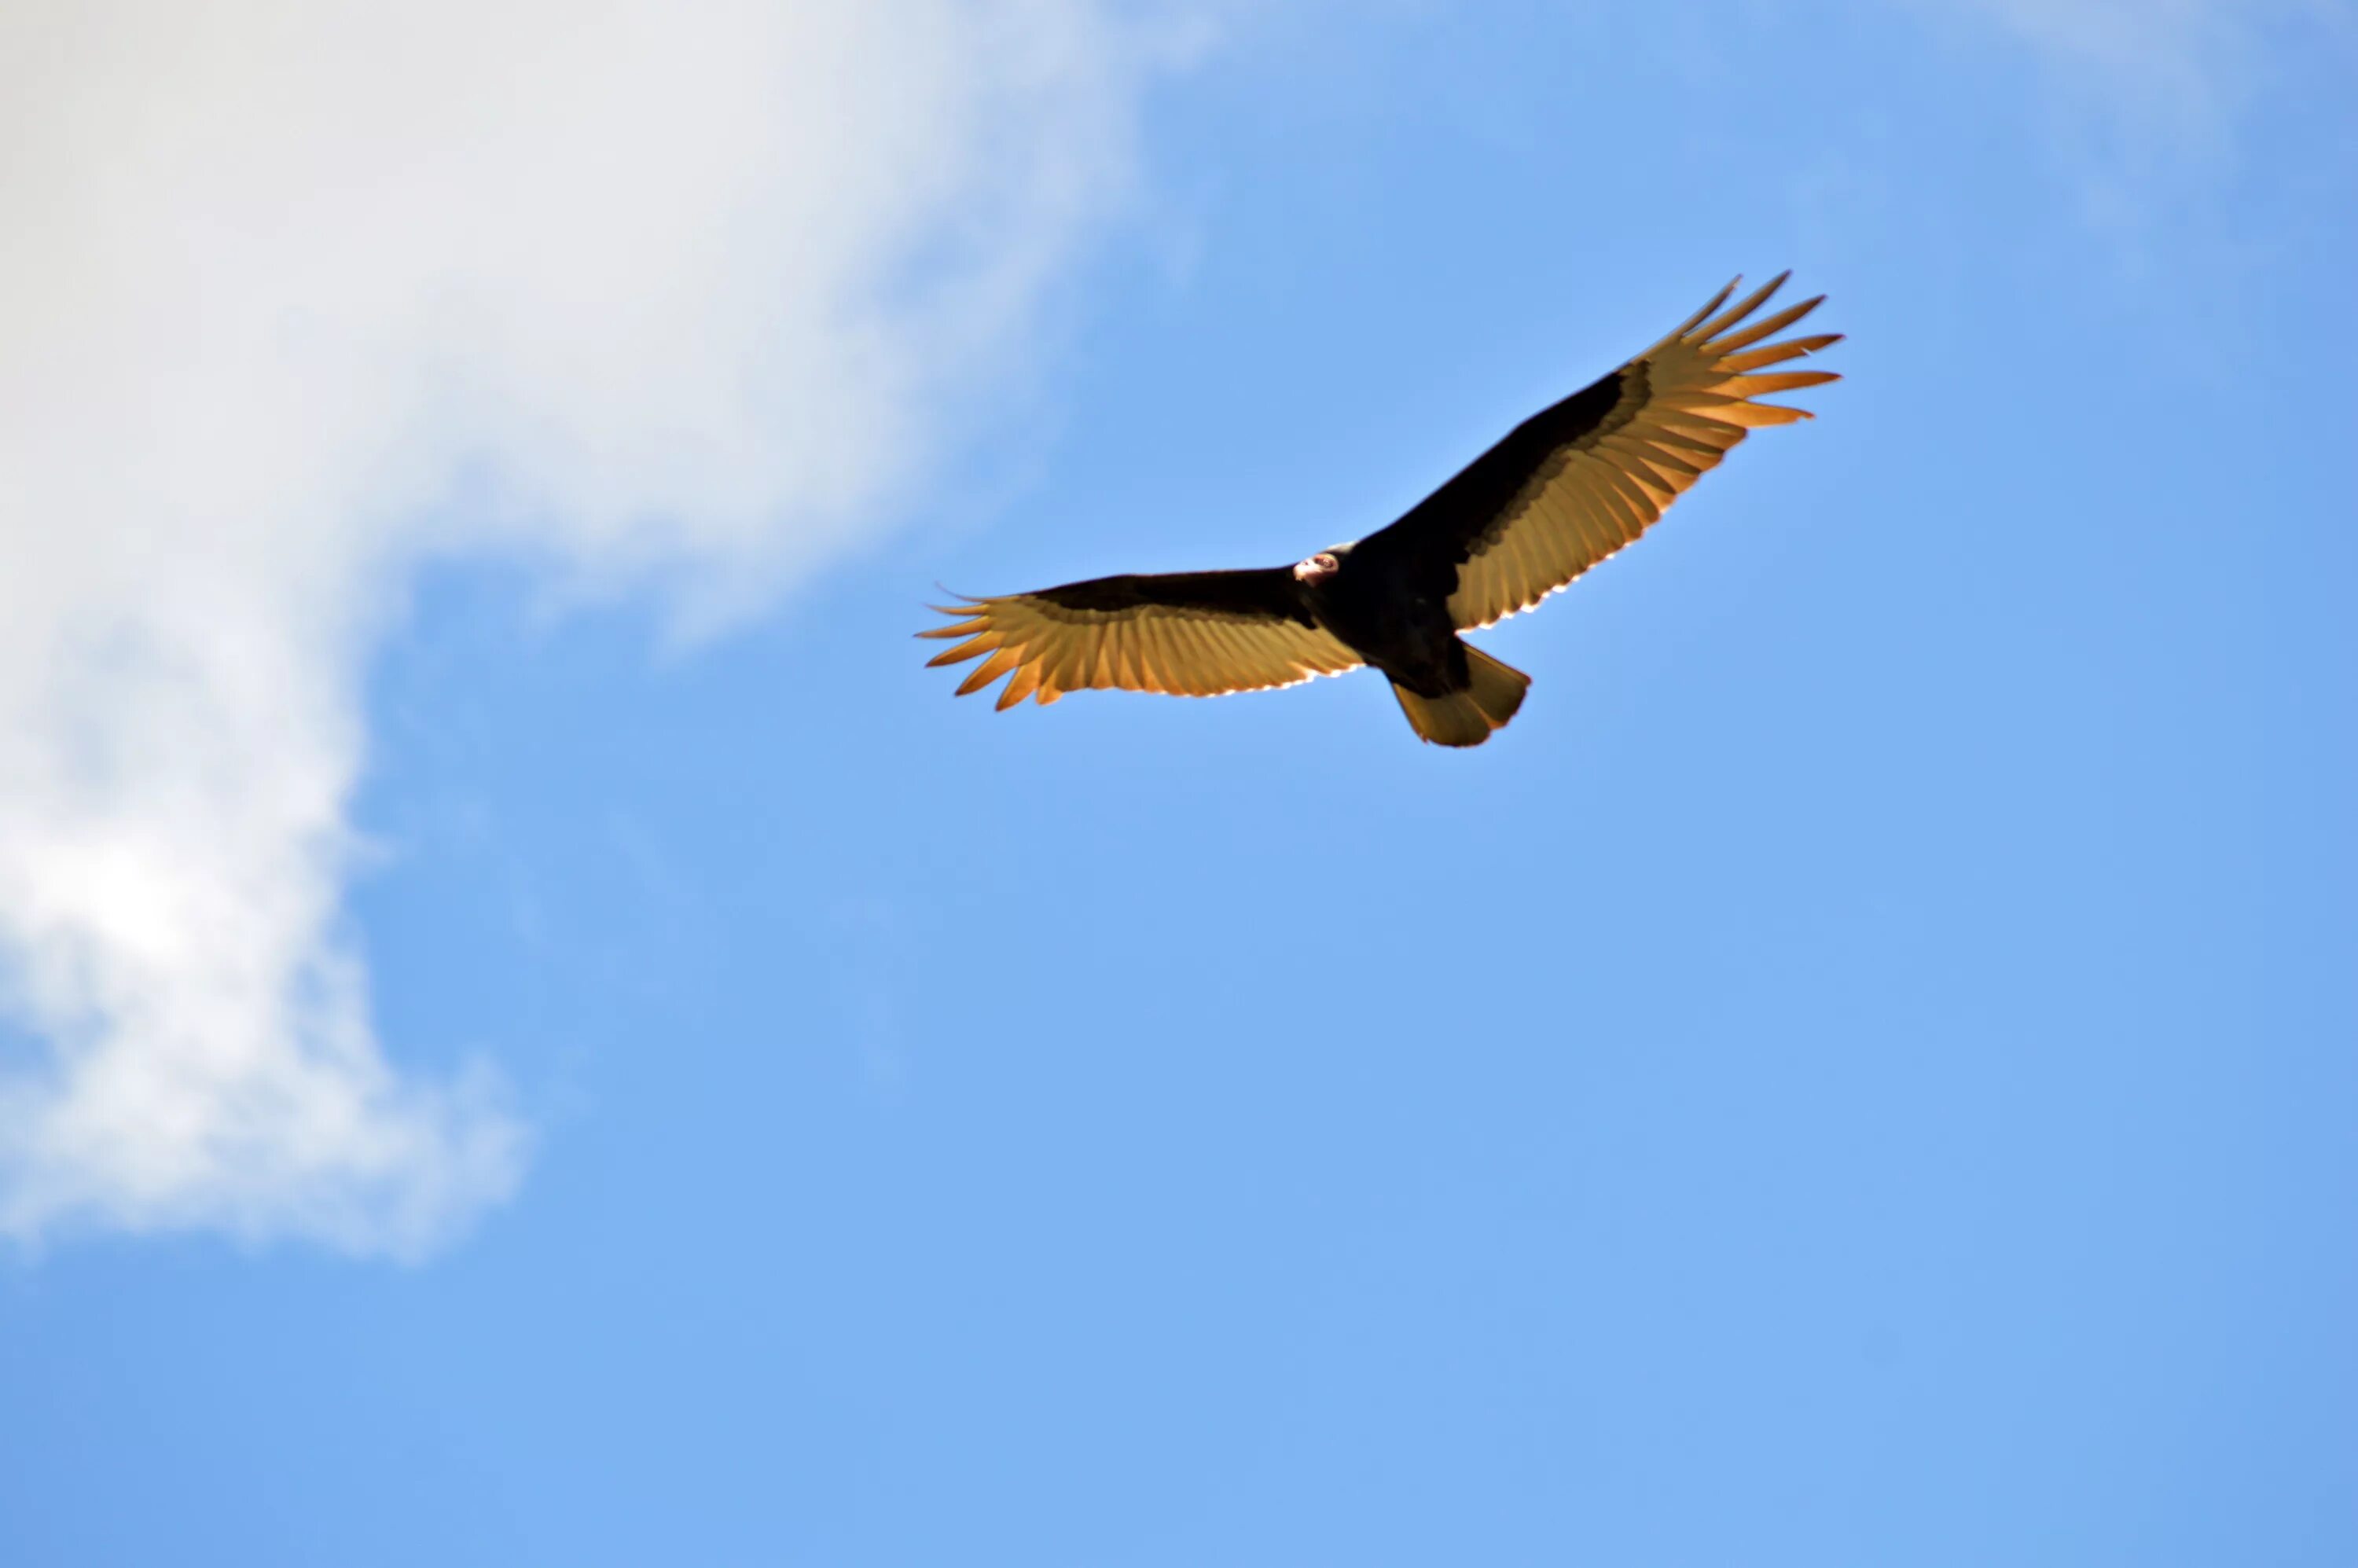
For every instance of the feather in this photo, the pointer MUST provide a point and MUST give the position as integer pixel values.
(1759, 329)
(1778, 353)
(990, 670)
(1781, 381)
(1739, 311)
(973, 648)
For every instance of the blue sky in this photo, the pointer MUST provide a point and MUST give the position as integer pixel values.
(1861, 1071)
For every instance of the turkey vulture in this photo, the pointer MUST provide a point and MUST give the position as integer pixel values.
(1565, 488)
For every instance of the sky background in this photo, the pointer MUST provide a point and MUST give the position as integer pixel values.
(541, 1033)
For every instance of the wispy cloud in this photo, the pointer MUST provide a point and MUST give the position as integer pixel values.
(2153, 110)
(295, 297)
(2174, 71)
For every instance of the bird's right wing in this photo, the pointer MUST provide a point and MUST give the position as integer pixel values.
(1187, 633)
(1577, 482)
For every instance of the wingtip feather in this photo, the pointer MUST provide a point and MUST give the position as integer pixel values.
(991, 669)
(972, 647)
(1713, 303)
(1759, 329)
(1739, 311)
(1778, 353)
(1020, 686)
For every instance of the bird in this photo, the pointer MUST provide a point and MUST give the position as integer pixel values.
(1574, 484)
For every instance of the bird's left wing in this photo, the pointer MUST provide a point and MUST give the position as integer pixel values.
(1187, 633)
(1577, 482)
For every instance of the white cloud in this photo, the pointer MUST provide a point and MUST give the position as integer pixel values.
(679, 291)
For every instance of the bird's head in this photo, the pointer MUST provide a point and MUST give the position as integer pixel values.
(1318, 568)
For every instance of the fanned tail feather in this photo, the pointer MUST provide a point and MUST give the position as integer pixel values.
(1451, 721)
(1493, 692)
(1497, 689)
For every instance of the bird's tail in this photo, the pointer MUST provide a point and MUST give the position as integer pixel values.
(1493, 691)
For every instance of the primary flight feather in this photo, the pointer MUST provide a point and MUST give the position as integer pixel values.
(1565, 488)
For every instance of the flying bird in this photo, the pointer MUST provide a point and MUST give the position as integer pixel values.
(1566, 488)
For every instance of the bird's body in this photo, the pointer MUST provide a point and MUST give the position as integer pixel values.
(1396, 618)
(1379, 610)
(1566, 488)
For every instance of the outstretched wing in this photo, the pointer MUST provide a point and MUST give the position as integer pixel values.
(1188, 634)
(1577, 482)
